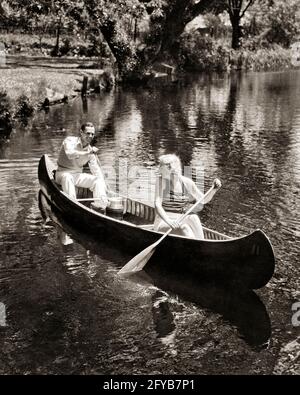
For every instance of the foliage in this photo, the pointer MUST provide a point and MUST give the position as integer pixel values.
(273, 22)
(115, 20)
(201, 53)
(5, 113)
(215, 25)
(108, 29)
(264, 59)
(24, 107)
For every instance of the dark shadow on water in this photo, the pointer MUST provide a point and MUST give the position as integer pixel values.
(162, 315)
(240, 307)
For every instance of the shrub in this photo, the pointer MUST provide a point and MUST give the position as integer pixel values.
(261, 60)
(66, 47)
(24, 107)
(5, 114)
(201, 53)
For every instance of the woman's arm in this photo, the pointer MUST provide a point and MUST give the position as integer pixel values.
(214, 188)
(197, 194)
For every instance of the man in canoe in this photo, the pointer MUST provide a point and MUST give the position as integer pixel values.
(173, 195)
(76, 152)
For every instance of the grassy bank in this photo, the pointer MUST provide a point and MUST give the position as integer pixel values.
(22, 92)
(29, 82)
(35, 83)
(25, 90)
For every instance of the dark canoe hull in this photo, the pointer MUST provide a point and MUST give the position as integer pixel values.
(247, 261)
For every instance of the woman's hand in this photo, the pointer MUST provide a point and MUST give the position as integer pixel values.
(217, 184)
(174, 224)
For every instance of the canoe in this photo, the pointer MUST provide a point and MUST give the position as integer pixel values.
(246, 261)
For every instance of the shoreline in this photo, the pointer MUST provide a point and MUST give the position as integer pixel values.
(25, 90)
(31, 83)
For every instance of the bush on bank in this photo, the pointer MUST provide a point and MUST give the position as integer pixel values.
(200, 53)
(5, 114)
(23, 91)
(21, 109)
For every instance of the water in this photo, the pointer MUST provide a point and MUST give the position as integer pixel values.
(68, 312)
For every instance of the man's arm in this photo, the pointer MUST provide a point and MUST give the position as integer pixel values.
(72, 151)
(95, 168)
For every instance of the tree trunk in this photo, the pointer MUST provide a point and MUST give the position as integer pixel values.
(177, 17)
(135, 30)
(56, 49)
(164, 36)
(236, 31)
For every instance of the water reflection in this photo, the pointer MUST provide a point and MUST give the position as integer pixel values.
(241, 308)
(163, 319)
(244, 129)
(64, 238)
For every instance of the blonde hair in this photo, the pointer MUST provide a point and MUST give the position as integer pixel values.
(173, 161)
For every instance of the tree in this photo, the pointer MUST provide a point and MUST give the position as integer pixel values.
(9, 15)
(270, 22)
(168, 19)
(48, 15)
(236, 10)
(65, 13)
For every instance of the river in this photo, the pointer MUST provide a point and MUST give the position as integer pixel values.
(65, 310)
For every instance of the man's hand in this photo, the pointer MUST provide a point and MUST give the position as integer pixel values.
(93, 150)
(217, 184)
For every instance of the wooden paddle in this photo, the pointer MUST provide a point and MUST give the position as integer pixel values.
(139, 261)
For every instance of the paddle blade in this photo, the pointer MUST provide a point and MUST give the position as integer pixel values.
(139, 261)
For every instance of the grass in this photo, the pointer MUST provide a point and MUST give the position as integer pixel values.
(23, 90)
(34, 83)
(263, 59)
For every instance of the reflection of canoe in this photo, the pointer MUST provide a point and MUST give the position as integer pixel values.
(241, 307)
(248, 260)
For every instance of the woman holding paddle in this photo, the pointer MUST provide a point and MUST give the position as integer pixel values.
(174, 194)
